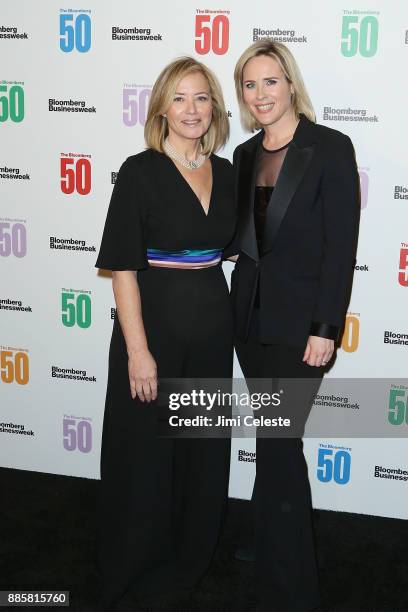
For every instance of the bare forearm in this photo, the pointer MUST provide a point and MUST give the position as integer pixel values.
(129, 310)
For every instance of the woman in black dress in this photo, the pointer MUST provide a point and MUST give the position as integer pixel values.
(170, 216)
(298, 211)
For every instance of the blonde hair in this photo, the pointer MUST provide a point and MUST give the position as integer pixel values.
(156, 128)
(301, 102)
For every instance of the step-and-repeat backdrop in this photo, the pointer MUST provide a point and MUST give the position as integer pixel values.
(75, 82)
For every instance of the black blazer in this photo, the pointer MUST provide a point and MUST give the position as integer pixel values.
(309, 242)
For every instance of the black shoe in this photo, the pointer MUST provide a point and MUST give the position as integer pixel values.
(245, 554)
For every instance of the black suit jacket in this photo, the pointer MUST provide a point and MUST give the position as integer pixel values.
(309, 241)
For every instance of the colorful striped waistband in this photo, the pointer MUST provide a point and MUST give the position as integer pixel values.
(190, 259)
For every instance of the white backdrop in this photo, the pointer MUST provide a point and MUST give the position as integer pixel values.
(56, 174)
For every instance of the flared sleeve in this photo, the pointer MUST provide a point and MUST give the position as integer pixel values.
(123, 241)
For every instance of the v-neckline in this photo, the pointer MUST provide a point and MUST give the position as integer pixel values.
(185, 181)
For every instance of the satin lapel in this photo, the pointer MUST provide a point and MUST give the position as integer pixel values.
(292, 171)
(246, 191)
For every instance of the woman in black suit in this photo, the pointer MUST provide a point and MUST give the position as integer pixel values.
(298, 208)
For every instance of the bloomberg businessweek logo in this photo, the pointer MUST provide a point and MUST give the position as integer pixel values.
(12, 33)
(278, 34)
(135, 32)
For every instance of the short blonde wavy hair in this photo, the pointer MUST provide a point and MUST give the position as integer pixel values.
(156, 128)
(301, 102)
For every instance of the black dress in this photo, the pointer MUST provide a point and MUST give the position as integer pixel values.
(162, 499)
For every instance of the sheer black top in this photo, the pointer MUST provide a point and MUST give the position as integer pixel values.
(269, 165)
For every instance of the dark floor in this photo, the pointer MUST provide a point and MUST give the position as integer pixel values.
(47, 540)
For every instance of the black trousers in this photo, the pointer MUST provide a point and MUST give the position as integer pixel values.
(162, 500)
(285, 564)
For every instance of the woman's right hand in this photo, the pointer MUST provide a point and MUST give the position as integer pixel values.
(142, 375)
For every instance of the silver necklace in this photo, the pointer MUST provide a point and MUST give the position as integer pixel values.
(189, 164)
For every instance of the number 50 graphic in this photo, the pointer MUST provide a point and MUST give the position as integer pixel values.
(351, 334)
(75, 33)
(364, 183)
(14, 367)
(12, 104)
(361, 36)
(135, 103)
(77, 178)
(13, 239)
(77, 435)
(398, 407)
(76, 309)
(403, 268)
(211, 36)
(333, 467)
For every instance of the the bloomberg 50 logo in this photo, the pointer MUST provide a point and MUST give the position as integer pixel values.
(12, 101)
(76, 173)
(351, 334)
(76, 308)
(14, 365)
(77, 433)
(359, 33)
(333, 464)
(13, 237)
(398, 405)
(135, 102)
(75, 30)
(211, 31)
(403, 265)
(364, 182)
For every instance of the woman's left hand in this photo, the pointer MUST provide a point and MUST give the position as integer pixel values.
(318, 351)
